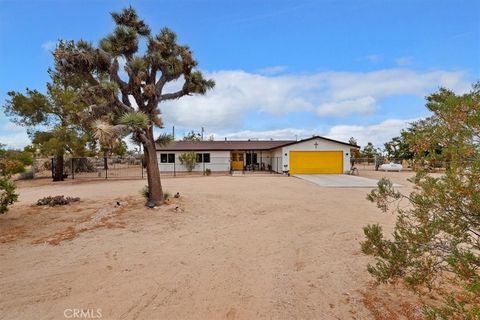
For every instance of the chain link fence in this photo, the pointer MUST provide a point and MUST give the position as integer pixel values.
(133, 167)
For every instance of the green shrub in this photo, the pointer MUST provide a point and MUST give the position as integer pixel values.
(189, 160)
(166, 195)
(7, 193)
(145, 193)
(208, 172)
(437, 231)
(7, 188)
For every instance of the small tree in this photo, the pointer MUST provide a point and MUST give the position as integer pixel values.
(436, 240)
(369, 151)
(52, 119)
(189, 160)
(355, 153)
(398, 148)
(164, 139)
(192, 136)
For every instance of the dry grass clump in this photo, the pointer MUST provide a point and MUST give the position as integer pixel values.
(56, 201)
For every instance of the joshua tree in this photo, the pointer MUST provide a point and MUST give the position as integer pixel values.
(134, 100)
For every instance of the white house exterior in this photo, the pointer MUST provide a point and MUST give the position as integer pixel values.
(313, 155)
(219, 161)
(315, 145)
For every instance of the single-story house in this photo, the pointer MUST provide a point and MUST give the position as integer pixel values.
(313, 155)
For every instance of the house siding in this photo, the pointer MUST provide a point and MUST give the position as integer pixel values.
(219, 161)
(277, 158)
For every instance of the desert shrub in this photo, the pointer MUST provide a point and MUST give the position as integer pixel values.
(11, 162)
(7, 193)
(24, 157)
(10, 166)
(56, 201)
(437, 235)
(189, 160)
(208, 172)
(145, 193)
(7, 188)
(166, 195)
(80, 165)
(27, 175)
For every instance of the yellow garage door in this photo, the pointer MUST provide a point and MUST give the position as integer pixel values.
(316, 162)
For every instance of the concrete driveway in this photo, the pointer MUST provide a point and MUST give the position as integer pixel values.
(340, 180)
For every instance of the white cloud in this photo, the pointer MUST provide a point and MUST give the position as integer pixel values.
(16, 140)
(362, 105)
(324, 94)
(13, 135)
(279, 134)
(272, 70)
(390, 82)
(378, 134)
(49, 45)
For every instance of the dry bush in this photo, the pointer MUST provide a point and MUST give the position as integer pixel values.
(56, 201)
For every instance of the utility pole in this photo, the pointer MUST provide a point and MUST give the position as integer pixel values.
(203, 129)
(173, 132)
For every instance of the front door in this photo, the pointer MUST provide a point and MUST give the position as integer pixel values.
(237, 160)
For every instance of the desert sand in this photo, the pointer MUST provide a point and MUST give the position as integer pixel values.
(253, 247)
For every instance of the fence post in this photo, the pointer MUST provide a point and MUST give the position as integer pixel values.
(105, 164)
(73, 169)
(203, 167)
(52, 169)
(141, 167)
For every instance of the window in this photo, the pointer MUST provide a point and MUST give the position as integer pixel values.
(203, 157)
(167, 157)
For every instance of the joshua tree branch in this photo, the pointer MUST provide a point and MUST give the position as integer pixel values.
(160, 84)
(174, 95)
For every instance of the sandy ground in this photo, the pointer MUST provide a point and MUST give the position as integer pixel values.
(254, 247)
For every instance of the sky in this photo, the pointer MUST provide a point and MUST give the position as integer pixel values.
(283, 69)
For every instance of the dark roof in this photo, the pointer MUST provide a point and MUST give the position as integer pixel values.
(237, 144)
(224, 145)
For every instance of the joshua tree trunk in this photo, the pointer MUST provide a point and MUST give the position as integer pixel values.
(58, 172)
(153, 172)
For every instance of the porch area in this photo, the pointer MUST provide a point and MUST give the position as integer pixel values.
(254, 161)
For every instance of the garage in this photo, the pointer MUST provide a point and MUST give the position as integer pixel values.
(311, 162)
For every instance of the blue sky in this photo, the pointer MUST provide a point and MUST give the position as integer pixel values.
(283, 68)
